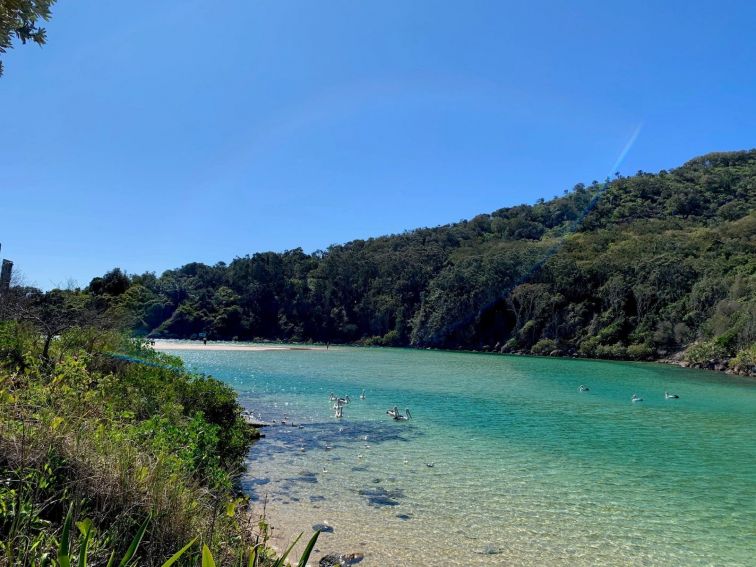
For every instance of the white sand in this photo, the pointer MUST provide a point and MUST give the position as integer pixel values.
(197, 345)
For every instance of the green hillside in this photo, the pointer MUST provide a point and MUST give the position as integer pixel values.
(638, 267)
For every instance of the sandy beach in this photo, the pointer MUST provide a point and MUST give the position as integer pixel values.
(198, 345)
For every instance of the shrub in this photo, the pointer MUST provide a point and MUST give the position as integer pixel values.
(640, 351)
(611, 351)
(544, 347)
(703, 352)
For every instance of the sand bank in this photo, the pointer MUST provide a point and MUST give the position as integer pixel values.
(197, 345)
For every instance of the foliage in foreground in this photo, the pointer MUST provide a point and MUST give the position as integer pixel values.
(126, 449)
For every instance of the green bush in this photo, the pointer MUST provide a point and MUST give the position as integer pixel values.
(703, 352)
(617, 351)
(544, 347)
(745, 358)
(122, 433)
(640, 351)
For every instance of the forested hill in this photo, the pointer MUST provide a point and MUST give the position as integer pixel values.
(637, 268)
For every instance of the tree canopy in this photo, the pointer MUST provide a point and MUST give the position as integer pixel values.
(637, 267)
(20, 19)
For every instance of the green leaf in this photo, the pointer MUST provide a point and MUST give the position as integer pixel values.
(281, 561)
(135, 542)
(111, 561)
(85, 527)
(176, 556)
(308, 550)
(64, 548)
(207, 557)
(253, 555)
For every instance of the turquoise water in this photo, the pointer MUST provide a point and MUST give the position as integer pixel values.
(526, 470)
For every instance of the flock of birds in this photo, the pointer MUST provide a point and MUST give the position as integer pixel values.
(340, 402)
(635, 397)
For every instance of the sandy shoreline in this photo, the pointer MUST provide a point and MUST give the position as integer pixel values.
(198, 345)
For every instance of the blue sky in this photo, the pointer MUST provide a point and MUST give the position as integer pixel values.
(151, 134)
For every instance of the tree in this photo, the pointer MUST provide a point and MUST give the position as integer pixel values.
(19, 20)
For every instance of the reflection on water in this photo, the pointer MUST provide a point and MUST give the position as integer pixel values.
(504, 461)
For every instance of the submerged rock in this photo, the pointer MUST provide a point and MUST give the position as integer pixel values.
(325, 528)
(304, 476)
(489, 550)
(340, 560)
(403, 516)
(381, 497)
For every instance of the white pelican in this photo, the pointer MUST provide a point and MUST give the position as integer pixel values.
(399, 417)
(668, 396)
(636, 398)
(393, 412)
(583, 388)
(362, 395)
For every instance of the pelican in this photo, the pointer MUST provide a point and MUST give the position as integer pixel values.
(430, 465)
(668, 396)
(339, 412)
(362, 395)
(331, 397)
(393, 412)
(399, 417)
(583, 388)
(636, 398)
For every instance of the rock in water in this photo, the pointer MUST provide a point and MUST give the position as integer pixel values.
(343, 560)
(325, 528)
(489, 550)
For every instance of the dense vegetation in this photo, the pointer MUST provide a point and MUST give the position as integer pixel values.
(638, 267)
(99, 428)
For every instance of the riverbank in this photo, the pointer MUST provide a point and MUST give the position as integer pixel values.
(164, 344)
(114, 444)
(717, 364)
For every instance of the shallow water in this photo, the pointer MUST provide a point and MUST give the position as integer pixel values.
(526, 470)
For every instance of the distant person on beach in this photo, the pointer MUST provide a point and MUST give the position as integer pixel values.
(204, 340)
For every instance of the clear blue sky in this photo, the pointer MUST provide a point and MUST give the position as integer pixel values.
(150, 134)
